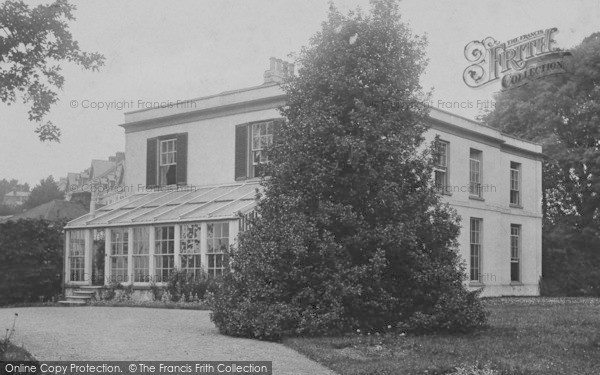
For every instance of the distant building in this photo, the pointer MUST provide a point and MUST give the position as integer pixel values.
(99, 182)
(16, 198)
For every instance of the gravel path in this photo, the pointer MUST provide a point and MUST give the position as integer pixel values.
(127, 333)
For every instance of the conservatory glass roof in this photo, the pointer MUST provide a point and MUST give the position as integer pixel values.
(201, 203)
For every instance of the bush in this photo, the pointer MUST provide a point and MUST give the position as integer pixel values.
(187, 287)
(350, 232)
(31, 261)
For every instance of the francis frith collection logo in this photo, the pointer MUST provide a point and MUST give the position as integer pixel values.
(515, 62)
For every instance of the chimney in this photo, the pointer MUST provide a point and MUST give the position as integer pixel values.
(278, 70)
(93, 206)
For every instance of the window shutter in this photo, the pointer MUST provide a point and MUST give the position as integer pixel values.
(181, 173)
(151, 172)
(241, 151)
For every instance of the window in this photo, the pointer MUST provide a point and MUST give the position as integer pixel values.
(440, 168)
(190, 250)
(251, 147)
(262, 138)
(515, 183)
(475, 264)
(141, 254)
(118, 254)
(166, 160)
(77, 255)
(515, 252)
(164, 252)
(475, 173)
(167, 168)
(217, 247)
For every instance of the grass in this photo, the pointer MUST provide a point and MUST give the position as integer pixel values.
(11, 352)
(525, 336)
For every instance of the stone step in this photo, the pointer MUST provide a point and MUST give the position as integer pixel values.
(85, 292)
(83, 298)
(72, 303)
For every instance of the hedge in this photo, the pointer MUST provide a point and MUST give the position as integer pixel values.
(31, 261)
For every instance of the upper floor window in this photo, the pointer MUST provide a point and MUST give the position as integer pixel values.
(475, 173)
(251, 147)
(440, 169)
(262, 138)
(515, 183)
(167, 167)
(166, 161)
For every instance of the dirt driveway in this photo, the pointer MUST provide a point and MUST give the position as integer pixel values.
(124, 333)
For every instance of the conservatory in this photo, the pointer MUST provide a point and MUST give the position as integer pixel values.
(143, 238)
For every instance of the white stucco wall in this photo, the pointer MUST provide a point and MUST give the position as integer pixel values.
(496, 212)
(211, 148)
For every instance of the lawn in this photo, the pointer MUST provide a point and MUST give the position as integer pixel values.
(525, 336)
(11, 352)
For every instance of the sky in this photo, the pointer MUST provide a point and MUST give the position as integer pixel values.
(161, 51)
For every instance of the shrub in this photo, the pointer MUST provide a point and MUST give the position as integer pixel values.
(109, 292)
(350, 232)
(31, 261)
(188, 287)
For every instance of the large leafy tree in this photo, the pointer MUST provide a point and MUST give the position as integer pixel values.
(562, 112)
(33, 43)
(44, 192)
(351, 233)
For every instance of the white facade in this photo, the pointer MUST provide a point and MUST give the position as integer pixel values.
(507, 242)
(497, 214)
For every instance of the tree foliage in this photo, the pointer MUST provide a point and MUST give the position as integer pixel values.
(351, 233)
(46, 191)
(562, 112)
(31, 260)
(33, 43)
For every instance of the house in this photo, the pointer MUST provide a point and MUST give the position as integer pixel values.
(16, 198)
(99, 182)
(191, 172)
